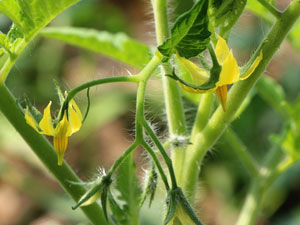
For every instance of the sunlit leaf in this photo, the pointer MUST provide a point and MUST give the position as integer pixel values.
(117, 46)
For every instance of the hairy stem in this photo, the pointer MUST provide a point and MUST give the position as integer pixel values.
(220, 120)
(160, 147)
(45, 152)
(157, 163)
(203, 113)
(173, 102)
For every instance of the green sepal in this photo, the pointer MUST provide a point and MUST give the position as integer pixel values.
(187, 207)
(60, 94)
(171, 204)
(101, 185)
(37, 115)
(210, 84)
(150, 189)
(189, 34)
(117, 212)
(104, 194)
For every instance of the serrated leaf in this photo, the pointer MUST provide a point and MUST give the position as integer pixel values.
(128, 188)
(189, 35)
(117, 46)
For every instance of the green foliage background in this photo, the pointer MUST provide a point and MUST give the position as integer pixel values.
(110, 123)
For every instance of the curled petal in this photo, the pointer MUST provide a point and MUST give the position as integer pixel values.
(30, 120)
(75, 116)
(252, 67)
(198, 75)
(230, 71)
(46, 122)
(63, 128)
(222, 50)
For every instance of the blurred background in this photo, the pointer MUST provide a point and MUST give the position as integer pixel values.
(30, 195)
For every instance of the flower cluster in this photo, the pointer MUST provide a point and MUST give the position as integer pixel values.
(230, 72)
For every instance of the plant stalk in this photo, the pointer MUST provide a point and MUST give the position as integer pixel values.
(220, 120)
(173, 102)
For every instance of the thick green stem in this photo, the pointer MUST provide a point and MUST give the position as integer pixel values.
(173, 102)
(203, 113)
(220, 120)
(44, 150)
(275, 12)
(260, 185)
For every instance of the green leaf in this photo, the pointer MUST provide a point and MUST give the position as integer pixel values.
(189, 35)
(117, 46)
(31, 16)
(225, 13)
(128, 188)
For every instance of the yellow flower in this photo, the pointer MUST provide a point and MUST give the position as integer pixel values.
(229, 74)
(181, 217)
(69, 124)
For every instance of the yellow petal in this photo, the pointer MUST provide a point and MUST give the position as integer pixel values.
(222, 96)
(221, 50)
(230, 71)
(60, 145)
(63, 128)
(198, 75)
(30, 120)
(46, 122)
(182, 217)
(75, 117)
(252, 67)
